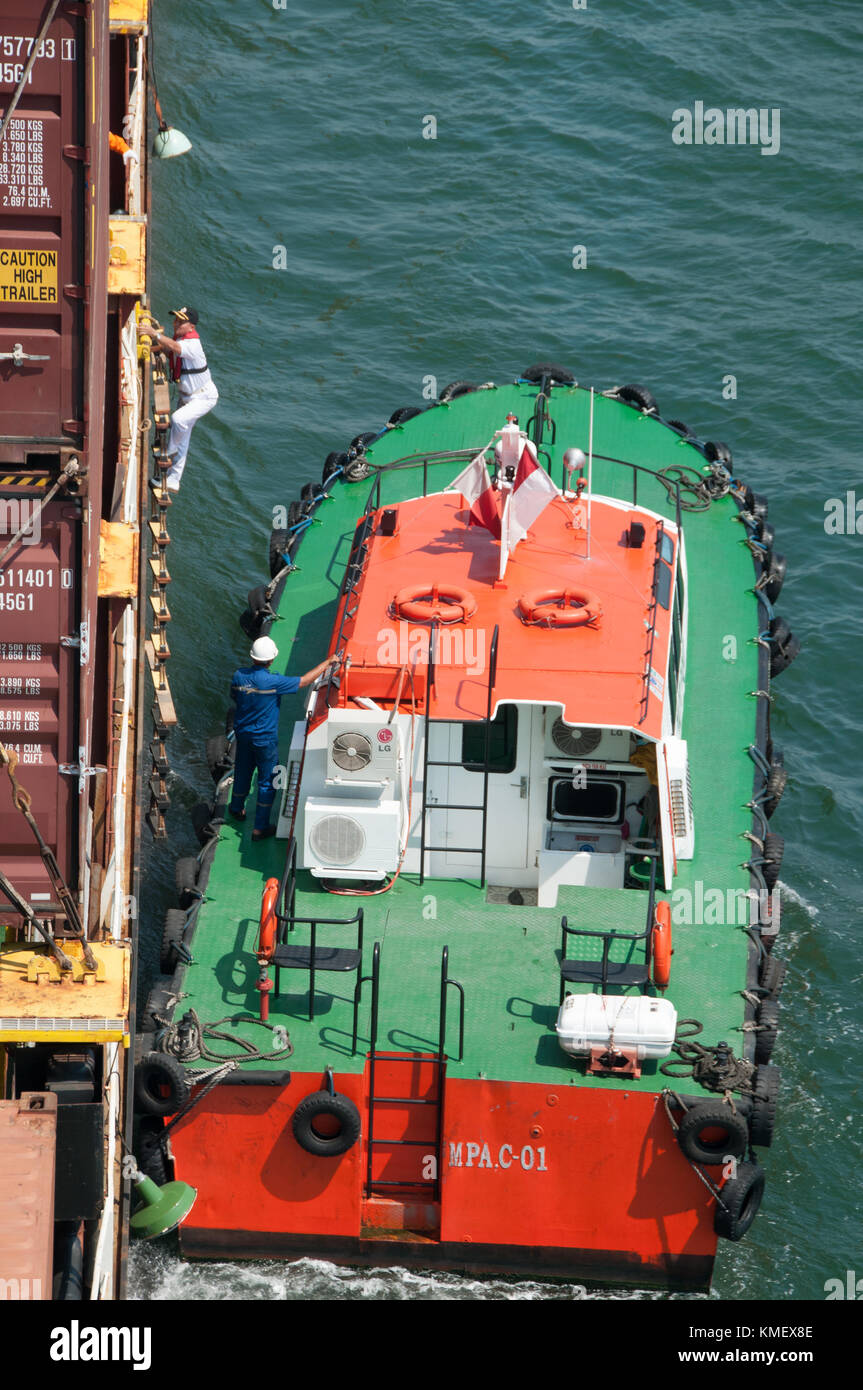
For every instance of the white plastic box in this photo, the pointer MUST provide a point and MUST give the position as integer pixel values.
(637, 1021)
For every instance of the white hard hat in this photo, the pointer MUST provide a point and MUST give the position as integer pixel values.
(264, 649)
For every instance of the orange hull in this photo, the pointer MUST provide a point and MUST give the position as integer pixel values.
(573, 1183)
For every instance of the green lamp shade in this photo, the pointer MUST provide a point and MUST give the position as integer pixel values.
(162, 1208)
(170, 142)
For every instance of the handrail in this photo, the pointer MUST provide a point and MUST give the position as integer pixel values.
(640, 468)
(445, 983)
(609, 937)
(375, 982)
(654, 604)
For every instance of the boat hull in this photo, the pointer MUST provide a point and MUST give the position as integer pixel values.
(551, 1181)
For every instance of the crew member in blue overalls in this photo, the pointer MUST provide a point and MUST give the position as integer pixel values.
(257, 692)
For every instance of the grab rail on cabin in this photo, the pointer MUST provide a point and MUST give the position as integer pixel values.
(447, 983)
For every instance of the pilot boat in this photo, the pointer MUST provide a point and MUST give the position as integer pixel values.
(500, 995)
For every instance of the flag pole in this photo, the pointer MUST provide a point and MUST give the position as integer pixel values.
(589, 472)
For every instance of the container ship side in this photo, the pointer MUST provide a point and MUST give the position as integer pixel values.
(74, 407)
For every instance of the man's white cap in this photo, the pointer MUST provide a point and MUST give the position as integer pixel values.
(264, 649)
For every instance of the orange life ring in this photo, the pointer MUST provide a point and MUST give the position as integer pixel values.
(571, 607)
(661, 945)
(269, 924)
(443, 603)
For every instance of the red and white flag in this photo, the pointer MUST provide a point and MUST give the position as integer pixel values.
(474, 484)
(532, 490)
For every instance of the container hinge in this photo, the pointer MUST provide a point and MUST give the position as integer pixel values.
(81, 152)
(76, 770)
(73, 426)
(74, 291)
(82, 642)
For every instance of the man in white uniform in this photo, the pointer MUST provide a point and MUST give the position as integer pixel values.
(197, 390)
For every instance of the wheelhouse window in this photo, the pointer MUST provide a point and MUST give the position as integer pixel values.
(502, 743)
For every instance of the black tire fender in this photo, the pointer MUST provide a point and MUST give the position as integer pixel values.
(335, 1108)
(711, 1131)
(768, 1027)
(186, 879)
(679, 428)
(454, 389)
(161, 1085)
(332, 463)
(172, 938)
(403, 414)
(153, 1160)
(772, 976)
(561, 376)
(774, 848)
(638, 396)
(765, 1093)
(739, 1201)
(777, 781)
(717, 452)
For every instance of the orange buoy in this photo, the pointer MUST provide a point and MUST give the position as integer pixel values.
(661, 945)
(426, 603)
(269, 923)
(560, 607)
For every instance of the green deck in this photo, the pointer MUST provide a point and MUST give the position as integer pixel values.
(504, 956)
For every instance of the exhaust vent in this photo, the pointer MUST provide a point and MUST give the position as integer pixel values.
(351, 752)
(575, 743)
(337, 840)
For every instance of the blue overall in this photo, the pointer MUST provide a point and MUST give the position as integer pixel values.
(257, 694)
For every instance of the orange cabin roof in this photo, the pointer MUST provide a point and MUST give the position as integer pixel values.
(596, 671)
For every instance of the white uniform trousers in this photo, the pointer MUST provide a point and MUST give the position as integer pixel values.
(182, 422)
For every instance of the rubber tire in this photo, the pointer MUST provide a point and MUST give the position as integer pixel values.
(713, 1114)
(772, 976)
(152, 1159)
(405, 413)
(186, 880)
(742, 1197)
(454, 389)
(332, 463)
(220, 756)
(765, 532)
(360, 442)
(309, 496)
(777, 781)
(717, 452)
(280, 542)
(759, 506)
(638, 396)
(172, 936)
(774, 849)
(157, 1071)
(161, 991)
(777, 567)
(561, 376)
(765, 1040)
(679, 428)
(341, 1109)
(764, 1097)
(780, 660)
(202, 821)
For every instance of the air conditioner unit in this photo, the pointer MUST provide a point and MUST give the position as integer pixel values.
(567, 743)
(362, 748)
(351, 839)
